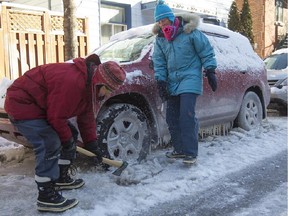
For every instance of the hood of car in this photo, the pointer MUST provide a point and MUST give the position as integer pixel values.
(277, 74)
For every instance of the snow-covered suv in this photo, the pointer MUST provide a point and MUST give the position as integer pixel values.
(132, 120)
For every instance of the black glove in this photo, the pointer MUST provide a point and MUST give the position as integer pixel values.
(74, 131)
(162, 89)
(99, 152)
(212, 80)
(68, 151)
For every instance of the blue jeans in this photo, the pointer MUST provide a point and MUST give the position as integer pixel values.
(183, 124)
(46, 145)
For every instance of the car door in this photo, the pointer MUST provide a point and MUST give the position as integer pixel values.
(232, 76)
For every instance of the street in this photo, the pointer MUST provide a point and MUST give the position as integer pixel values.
(231, 193)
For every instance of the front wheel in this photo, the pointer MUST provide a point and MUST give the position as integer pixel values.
(124, 128)
(251, 112)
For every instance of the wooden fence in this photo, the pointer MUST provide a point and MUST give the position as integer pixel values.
(29, 38)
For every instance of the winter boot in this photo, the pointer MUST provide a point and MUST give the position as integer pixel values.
(189, 160)
(65, 182)
(175, 154)
(49, 200)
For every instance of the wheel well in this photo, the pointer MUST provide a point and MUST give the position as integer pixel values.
(258, 91)
(135, 99)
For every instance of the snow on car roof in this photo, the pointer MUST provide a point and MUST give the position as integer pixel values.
(233, 50)
(280, 51)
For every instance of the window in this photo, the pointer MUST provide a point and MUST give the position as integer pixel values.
(112, 21)
(107, 30)
(279, 4)
(276, 62)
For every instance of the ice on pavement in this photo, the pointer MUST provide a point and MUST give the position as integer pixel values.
(155, 180)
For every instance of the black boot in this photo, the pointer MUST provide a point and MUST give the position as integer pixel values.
(49, 200)
(65, 182)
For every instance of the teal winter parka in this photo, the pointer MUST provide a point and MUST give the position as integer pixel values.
(180, 62)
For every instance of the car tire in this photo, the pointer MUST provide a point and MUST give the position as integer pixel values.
(283, 111)
(251, 112)
(124, 129)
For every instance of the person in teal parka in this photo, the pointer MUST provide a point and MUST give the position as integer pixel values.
(181, 53)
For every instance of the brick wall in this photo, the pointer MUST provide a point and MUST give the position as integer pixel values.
(270, 30)
(264, 29)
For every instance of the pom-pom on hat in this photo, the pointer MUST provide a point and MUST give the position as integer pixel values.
(163, 11)
(109, 74)
(93, 58)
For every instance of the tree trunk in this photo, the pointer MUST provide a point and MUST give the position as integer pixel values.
(70, 27)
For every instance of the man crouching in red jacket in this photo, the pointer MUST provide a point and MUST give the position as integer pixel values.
(40, 104)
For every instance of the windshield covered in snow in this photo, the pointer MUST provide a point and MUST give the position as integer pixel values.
(125, 50)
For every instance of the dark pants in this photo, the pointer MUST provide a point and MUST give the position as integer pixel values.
(182, 123)
(46, 144)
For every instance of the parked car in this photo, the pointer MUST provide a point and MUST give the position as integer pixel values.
(134, 117)
(132, 120)
(279, 96)
(277, 66)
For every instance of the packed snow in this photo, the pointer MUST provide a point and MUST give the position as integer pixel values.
(153, 181)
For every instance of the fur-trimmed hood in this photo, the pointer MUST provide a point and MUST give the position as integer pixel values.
(190, 22)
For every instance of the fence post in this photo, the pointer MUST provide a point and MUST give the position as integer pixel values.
(86, 32)
(7, 62)
(47, 37)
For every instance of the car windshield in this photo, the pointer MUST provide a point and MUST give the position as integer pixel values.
(125, 50)
(276, 62)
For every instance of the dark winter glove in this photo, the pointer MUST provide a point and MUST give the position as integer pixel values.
(74, 131)
(162, 89)
(68, 151)
(212, 80)
(99, 152)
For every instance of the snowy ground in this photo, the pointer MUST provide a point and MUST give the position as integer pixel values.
(152, 182)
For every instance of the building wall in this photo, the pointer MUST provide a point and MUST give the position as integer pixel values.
(258, 19)
(269, 29)
(264, 28)
(54, 5)
(90, 9)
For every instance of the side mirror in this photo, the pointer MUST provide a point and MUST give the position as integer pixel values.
(279, 86)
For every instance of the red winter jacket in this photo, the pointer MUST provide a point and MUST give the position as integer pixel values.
(55, 92)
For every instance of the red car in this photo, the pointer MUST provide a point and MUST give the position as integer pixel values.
(132, 120)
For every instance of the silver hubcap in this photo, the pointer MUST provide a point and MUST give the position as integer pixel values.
(251, 113)
(125, 136)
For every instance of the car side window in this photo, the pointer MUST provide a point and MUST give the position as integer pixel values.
(281, 62)
(276, 62)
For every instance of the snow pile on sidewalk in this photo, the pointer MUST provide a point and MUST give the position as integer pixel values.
(5, 83)
(10, 151)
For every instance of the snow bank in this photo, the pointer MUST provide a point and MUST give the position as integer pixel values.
(5, 83)
(10, 151)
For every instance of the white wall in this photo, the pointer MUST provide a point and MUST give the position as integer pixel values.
(90, 9)
(56, 5)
